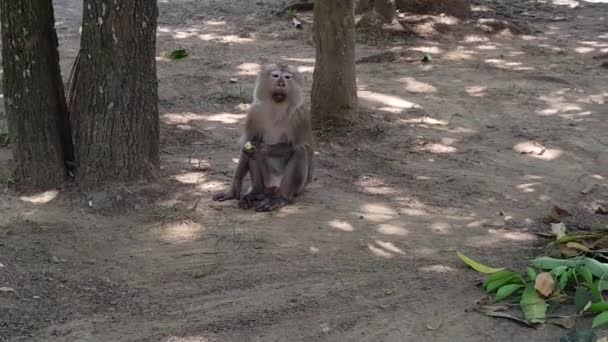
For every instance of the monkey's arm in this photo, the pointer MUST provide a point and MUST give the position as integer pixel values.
(256, 149)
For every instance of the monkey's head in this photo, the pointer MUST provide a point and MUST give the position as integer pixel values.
(279, 83)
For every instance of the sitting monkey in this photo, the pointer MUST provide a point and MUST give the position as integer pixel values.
(276, 145)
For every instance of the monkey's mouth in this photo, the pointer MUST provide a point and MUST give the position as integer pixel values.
(279, 97)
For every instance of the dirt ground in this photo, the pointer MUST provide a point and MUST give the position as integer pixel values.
(467, 152)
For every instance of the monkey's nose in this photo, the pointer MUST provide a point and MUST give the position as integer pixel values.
(281, 83)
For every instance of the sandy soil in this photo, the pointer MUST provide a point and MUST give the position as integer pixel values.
(467, 152)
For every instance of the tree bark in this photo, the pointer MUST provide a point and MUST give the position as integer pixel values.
(334, 88)
(38, 121)
(114, 103)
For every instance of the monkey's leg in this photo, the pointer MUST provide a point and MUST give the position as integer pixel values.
(237, 182)
(293, 182)
(257, 169)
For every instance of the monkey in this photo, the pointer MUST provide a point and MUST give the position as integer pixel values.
(276, 143)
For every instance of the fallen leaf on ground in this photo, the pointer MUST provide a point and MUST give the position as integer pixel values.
(564, 322)
(178, 54)
(558, 229)
(488, 311)
(558, 213)
(579, 246)
(477, 266)
(544, 283)
(533, 306)
(7, 289)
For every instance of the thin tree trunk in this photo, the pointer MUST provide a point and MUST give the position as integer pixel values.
(38, 120)
(334, 88)
(114, 103)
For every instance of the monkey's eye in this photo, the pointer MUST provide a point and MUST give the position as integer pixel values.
(286, 76)
(275, 74)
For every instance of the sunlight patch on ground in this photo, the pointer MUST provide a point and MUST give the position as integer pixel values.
(437, 148)
(476, 91)
(528, 187)
(301, 60)
(374, 208)
(502, 64)
(495, 237)
(188, 338)
(475, 38)
(182, 231)
(392, 229)
(439, 269)
(41, 198)
(460, 54)
(341, 225)
(535, 150)
(387, 100)
(584, 49)
(210, 185)
(389, 246)
(414, 86)
(250, 69)
(427, 120)
(190, 177)
(306, 69)
(227, 118)
(427, 49)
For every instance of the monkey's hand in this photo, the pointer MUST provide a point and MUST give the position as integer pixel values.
(227, 195)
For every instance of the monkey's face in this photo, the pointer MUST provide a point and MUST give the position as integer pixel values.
(282, 82)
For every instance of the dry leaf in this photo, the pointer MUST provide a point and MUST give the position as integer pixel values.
(564, 322)
(558, 229)
(7, 289)
(557, 213)
(544, 284)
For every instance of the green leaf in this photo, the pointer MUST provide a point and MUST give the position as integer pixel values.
(178, 54)
(532, 305)
(600, 320)
(497, 276)
(531, 274)
(506, 291)
(559, 270)
(548, 263)
(564, 278)
(586, 274)
(477, 266)
(582, 296)
(493, 286)
(598, 307)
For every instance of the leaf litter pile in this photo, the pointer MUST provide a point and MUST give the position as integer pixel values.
(558, 288)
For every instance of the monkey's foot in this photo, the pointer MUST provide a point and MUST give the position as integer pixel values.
(272, 203)
(250, 199)
(224, 196)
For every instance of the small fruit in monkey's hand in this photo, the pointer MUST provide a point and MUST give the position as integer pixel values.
(249, 146)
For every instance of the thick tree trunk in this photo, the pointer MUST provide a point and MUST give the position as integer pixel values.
(334, 88)
(114, 103)
(37, 115)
